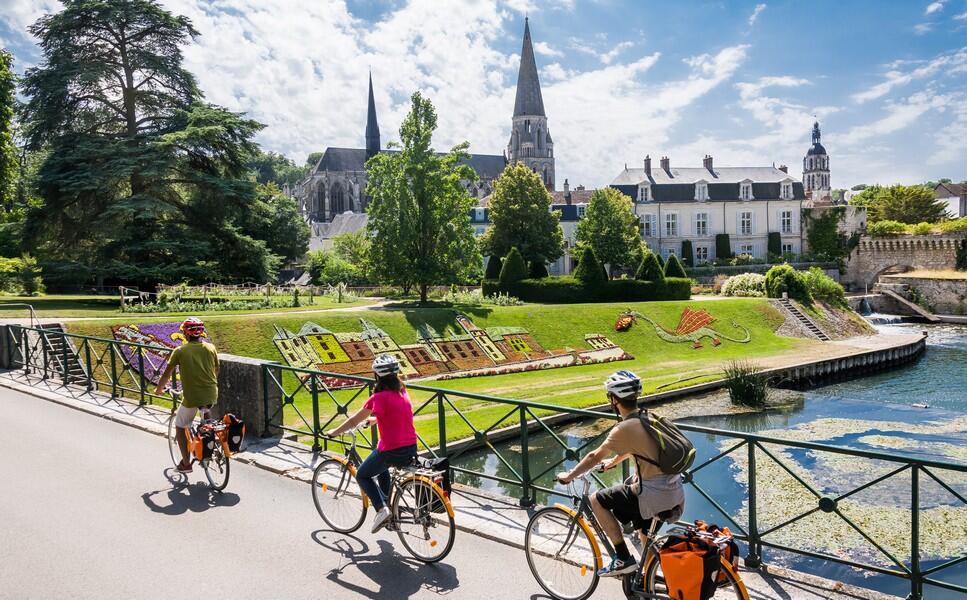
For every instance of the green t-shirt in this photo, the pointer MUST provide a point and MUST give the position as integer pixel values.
(198, 367)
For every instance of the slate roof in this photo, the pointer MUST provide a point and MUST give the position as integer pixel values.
(529, 100)
(577, 196)
(952, 190)
(816, 149)
(487, 166)
(723, 183)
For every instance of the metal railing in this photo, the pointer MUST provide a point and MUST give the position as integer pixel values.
(30, 310)
(464, 422)
(125, 370)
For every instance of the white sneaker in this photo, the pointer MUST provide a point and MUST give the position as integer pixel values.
(380, 520)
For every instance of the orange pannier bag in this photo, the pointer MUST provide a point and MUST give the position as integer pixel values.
(690, 566)
(728, 549)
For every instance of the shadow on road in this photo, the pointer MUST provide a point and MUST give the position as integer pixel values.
(396, 576)
(183, 497)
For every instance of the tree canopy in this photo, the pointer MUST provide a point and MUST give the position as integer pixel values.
(610, 228)
(8, 151)
(903, 203)
(520, 217)
(419, 213)
(272, 167)
(142, 181)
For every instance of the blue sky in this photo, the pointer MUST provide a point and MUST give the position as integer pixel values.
(738, 80)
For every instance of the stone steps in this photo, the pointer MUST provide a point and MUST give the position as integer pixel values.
(808, 323)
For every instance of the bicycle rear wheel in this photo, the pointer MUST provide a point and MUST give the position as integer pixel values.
(652, 581)
(426, 534)
(561, 554)
(217, 469)
(173, 448)
(337, 496)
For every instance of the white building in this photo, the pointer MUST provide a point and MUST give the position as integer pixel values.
(699, 203)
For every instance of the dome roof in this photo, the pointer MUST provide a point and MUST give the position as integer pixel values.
(816, 150)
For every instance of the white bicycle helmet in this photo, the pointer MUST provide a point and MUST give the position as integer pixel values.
(386, 364)
(623, 384)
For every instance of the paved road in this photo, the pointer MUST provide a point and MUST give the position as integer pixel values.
(87, 511)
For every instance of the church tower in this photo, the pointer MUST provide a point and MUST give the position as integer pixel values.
(815, 170)
(372, 127)
(530, 140)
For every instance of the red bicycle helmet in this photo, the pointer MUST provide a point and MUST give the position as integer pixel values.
(193, 327)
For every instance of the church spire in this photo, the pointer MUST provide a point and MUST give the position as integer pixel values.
(529, 100)
(372, 127)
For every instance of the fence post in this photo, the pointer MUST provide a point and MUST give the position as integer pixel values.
(525, 470)
(442, 424)
(916, 577)
(754, 558)
(112, 348)
(43, 345)
(265, 397)
(63, 355)
(141, 399)
(314, 390)
(25, 344)
(87, 363)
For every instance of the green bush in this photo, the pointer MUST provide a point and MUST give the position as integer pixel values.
(661, 261)
(688, 256)
(785, 279)
(493, 267)
(538, 270)
(674, 268)
(954, 225)
(557, 290)
(513, 269)
(589, 270)
(649, 269)
(775, 243)
(20, 276)
(723, 246)
(823, 287)
(922, 229)
(747, 385)
(886, 228)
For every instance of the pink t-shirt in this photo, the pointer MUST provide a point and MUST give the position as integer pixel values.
(394, 418)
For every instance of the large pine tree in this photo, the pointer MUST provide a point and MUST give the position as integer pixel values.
(143, 181)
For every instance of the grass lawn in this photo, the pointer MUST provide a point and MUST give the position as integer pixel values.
(72, 306)
(663, 365)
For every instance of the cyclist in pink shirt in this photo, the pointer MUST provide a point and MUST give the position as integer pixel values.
(391, 406)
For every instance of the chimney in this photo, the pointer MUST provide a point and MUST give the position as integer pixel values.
(647, 166)
(784, 168)
(707, 163)
(567, 192)
(567, 186)
(666, 165)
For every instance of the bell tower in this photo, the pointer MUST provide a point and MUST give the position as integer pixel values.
(530, 139)
(815, 170)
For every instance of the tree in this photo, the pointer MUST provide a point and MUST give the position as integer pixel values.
(514, 268)
(649, 269)
(419, 213)
(589, 270)
(143, 181)
(688, 256)
(674, 268)
(353, 246)
(271, 167)
(327, 268)
(907, 204)
(275, 218)
(8, 151)
(866, 196)
(610, 228)
(520, 217)
(537, 270)
(311, 160)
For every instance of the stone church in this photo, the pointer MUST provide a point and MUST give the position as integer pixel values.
(815, 172)
(337, 183)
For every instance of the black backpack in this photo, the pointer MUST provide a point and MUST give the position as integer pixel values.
(675, 452)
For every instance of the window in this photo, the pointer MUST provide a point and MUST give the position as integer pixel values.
(701, 254)
(746, 249)
(701, 223)
(745, 191)
(666, 252)
(581, 209)
(648, 226)
(787, 249)
(786, 193)
(701, 191)
(745, 222)
(671, 225)
(478, 214)
(785, 221)
(643, 195)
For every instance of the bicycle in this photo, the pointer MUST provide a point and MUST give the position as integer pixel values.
(420, 511)
(564, 555)
(216, 465)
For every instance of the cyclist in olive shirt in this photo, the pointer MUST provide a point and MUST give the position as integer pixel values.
(198, 361)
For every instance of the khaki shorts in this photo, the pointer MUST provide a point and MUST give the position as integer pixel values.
(186, 414)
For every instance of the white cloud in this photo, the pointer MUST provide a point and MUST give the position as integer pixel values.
(755, 13)
(605, 56)
(900, 115)
(961, 17)
(922, 28)
(545, 49)
(934, 7)
(951, 63)
(950, 142)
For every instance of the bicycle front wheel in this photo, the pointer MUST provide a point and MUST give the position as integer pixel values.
(173, 448)
(652, 581)
(423, 519)
(217, 469)
(561, 554)
(337, 496)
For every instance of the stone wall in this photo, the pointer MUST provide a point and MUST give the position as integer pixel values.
(940, 296)
(873, 257)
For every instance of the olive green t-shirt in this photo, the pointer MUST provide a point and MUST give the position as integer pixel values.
(198, 367)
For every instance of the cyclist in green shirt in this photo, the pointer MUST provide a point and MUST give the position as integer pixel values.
(198, 361)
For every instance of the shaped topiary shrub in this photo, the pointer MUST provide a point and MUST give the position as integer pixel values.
(538, 270)
(493, 268)
(723, 246)
(649, 269)
(674, 268)
(688, 257)
(589, 270)
(775, 244)
(514, 269)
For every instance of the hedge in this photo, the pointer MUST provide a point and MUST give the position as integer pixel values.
(723, 245)
(560, 290)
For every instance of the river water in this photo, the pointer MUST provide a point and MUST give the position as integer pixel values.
(919, 410)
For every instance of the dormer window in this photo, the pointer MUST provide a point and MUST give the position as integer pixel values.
(581, 209)
(745, 190)
(644, 193)
(701, 191)
(785, 190)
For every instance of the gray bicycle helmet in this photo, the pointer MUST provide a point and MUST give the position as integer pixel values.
(386, 364)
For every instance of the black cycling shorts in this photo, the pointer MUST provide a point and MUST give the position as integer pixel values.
(622, 500)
